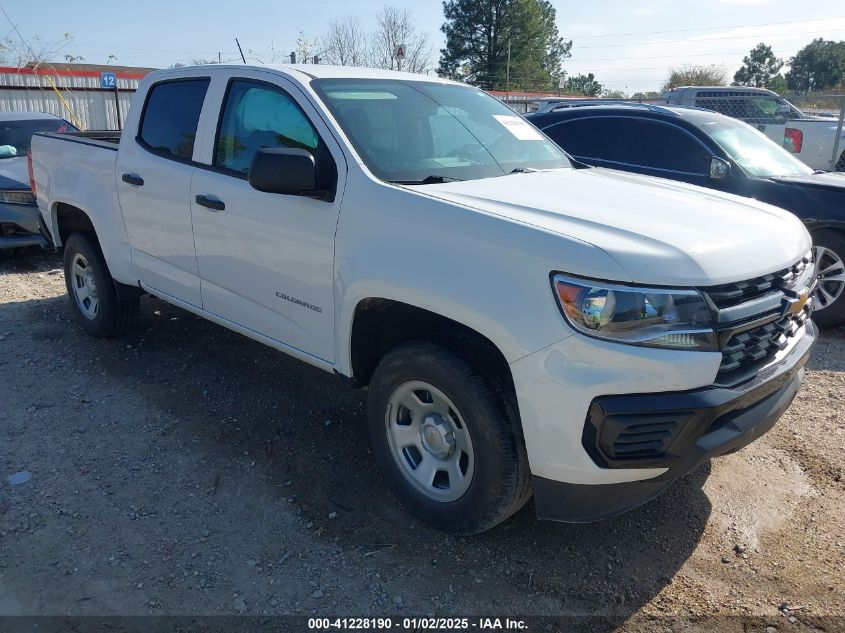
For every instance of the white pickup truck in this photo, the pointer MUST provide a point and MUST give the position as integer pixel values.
(523, 326)
(811, 138)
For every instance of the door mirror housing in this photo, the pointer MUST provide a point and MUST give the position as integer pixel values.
(719, 168)
(291, 172)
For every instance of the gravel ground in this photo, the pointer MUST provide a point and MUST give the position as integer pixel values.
(184, 469)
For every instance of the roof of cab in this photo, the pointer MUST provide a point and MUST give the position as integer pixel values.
(305, 72)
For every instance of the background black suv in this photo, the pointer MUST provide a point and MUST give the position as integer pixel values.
(708, 149)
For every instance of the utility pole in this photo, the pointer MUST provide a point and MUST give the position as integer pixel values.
(219, 58)
(508, 73)
(117, 106)
(834, 160)
(240, 50)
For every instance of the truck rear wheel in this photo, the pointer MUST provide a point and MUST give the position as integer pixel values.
(92, 292)
(829, 249)
(444, 440)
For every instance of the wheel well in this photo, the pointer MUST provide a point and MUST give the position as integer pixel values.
(380, 325)
(72, 220)
(834, 227)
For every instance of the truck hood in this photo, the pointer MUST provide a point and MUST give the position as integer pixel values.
(824, 179)
(659, 231)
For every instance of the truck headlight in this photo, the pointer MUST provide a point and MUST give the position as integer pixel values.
(651, 317)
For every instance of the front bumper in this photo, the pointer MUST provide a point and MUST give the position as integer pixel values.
(701, 422)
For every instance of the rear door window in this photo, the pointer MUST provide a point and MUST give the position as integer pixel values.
(587, 138)
(667, 147)
(171, 114)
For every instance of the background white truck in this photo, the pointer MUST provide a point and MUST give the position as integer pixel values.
(813, 139)
(522, 325)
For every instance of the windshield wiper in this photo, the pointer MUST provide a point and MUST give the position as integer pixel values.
(524, 170)
(428, 180)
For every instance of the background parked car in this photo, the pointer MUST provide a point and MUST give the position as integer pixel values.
(18, 213)
(811, 138)
(707, 149)
(548, 104)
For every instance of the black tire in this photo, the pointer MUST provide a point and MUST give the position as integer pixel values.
(113, 315)
(500, 483)
(833, 314)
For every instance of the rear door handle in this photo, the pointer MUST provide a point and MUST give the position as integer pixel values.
(133, 179)
(210, 203)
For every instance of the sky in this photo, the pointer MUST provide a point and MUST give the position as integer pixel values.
(629, 46)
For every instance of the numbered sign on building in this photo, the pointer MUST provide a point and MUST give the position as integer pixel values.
(108, 80)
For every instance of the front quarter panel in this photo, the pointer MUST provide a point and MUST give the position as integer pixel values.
(487, 272)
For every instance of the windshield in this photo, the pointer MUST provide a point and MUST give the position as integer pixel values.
(752, 151)
(15, 136)
(417, 132)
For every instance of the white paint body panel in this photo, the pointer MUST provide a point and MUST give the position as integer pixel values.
(158, 221)
(478, 252)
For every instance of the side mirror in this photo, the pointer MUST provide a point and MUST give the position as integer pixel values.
(719, 169)
(292, 172)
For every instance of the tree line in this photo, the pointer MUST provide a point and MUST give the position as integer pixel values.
(502, 45)
(493, 44)
(515, 45)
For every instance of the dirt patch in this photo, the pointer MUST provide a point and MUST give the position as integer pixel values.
(184, 469)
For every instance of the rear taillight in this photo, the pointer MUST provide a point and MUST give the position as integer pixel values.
(793, 140)
(31, 175)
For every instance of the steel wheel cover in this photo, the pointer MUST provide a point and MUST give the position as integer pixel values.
(429, 441)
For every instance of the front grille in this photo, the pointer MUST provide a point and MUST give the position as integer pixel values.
(728, 295)
(748, 351)
(752, 341)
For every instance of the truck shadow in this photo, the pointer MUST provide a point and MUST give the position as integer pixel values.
(305, 431)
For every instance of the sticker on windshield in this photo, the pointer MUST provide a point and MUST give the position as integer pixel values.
(519, 127)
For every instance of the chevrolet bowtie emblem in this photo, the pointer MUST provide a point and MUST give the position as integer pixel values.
(794, 305)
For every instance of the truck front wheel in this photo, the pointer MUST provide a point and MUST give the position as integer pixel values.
(445, 440)
(92, 292)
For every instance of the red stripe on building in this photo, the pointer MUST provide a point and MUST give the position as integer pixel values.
(12, 70)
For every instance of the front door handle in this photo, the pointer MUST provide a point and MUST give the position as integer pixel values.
(133, 179)
(210, 203)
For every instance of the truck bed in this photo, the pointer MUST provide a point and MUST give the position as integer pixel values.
(79, 169)
(108, 139)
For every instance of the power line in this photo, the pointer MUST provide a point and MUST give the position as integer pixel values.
(707, 28)
(112, 47)
(616, 59)
(708, 39)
